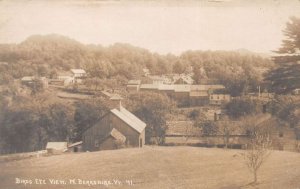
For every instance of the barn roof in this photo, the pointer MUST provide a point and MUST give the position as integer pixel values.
(130, 119)
(78, 71)
(57, 145)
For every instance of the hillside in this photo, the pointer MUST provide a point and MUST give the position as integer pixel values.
(156, 167)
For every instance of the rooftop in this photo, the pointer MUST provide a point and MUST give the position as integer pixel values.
(130, 119)
(78, 71)
(57, 145)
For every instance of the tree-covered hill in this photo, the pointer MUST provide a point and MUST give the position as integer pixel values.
(48, 55)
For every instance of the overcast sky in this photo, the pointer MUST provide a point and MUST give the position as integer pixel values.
(160, 26)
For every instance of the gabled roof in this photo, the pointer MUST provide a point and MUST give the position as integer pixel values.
(78, 71)
(185, 78)
(117, 135)
(129, 118)
(57, 145)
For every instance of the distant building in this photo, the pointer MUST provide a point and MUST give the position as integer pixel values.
(118, 128)
(78, 73)
(296, 91)
(157, 80)
(133, 85)
(184, 94)
(32, 80)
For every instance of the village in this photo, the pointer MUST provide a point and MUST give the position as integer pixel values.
(119, 128)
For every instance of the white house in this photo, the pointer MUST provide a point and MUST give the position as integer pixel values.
(77, 73)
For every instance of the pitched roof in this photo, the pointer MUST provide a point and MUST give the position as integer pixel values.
(185, 78)
(78, 71)
(75, 144)
(27, 78)
(130, 119)
(57, 145)
(117, 135)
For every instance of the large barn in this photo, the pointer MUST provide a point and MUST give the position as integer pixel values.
(118, 128)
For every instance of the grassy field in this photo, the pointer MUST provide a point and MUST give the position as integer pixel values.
(152, 167)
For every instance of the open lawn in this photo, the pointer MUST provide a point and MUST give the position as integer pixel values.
(152, 167)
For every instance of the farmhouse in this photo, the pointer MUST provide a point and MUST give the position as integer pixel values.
(118, 128)
(78, 73)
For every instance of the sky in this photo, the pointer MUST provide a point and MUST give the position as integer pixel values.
(162, 26)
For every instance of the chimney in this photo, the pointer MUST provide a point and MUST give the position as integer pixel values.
(116, 101)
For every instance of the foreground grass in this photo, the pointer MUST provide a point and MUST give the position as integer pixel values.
(155, 167)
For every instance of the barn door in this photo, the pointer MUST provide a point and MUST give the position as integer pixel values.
(141, 142)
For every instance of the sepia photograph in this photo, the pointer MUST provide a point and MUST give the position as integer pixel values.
(149, 94)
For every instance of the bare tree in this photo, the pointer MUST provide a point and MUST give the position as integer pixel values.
(257, 151)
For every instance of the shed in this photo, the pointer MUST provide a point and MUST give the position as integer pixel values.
(56, 147)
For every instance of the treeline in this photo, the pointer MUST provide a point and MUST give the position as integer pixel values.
(53, 54)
